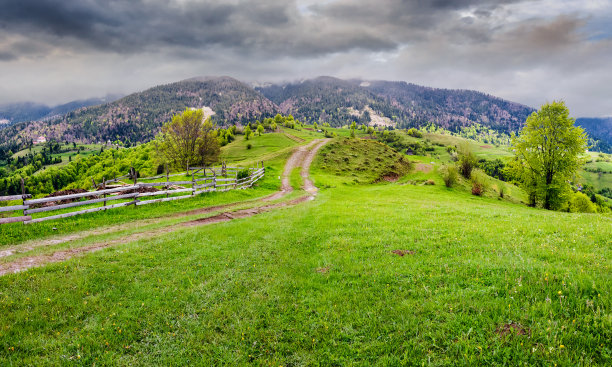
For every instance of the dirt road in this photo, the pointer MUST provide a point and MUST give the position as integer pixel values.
(301, 157)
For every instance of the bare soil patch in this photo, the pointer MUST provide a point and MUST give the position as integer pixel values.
(391, 177)
(323, 270)
(403, 252)
(512, 329)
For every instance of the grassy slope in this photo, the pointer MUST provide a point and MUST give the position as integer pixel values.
(275, 154)
(318, 284)
(353, 161)
(240, 292)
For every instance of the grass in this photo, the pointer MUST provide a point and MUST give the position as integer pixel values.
(319, 283)
(89, 149)
(356, 161)
(239, 293)
(261, 146)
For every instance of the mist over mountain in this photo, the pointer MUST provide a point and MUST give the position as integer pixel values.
(29, 111)
(394, 104)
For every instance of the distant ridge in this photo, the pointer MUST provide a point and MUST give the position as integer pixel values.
(139, 116)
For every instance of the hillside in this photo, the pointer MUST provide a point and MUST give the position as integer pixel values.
(599, 129)
(401, 104)
(138, 117)
(366, 273)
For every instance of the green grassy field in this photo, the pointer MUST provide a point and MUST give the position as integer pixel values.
(88, 149)
(367, 273)
(239, 292)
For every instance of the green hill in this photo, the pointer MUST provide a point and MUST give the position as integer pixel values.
(365, 273)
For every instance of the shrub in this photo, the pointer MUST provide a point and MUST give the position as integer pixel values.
(415, 133)
(450, 175)
(479, 183)
(467, 161)
(580, 203)
(243, 174)
(249, 146)
(430, 182)
(502, 190)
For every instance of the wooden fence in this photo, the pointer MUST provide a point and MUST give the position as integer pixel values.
(203, 179)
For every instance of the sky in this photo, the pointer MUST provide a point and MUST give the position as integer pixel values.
(532, 52)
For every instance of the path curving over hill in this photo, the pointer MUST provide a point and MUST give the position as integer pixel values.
(301, 157)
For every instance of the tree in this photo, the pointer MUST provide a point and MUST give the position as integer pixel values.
(247, 132)
(178, 143)
(208, 145)
(260, 129)
(548, 152)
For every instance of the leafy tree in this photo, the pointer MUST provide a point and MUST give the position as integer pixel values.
(208, 144)
(260, 129)
(179, 141)
(247, 132)
(548, 152)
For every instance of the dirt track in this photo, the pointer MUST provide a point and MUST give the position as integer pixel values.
(302, 157)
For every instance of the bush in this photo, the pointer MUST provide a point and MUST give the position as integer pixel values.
(450, 175)
(467, 161)
(502, 190)
(249, 146)
(580, 203)
(479, 183)
(415, 133)
(243, 174)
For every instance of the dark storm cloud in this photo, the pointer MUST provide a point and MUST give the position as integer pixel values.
(498, 46)
(7, 56)
(134, 26)
(259, 26)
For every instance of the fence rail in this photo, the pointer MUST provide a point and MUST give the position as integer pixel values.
(221, 179)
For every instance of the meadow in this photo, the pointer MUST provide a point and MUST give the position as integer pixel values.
(368, 273)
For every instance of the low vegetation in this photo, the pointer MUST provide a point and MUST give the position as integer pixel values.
(357, 161)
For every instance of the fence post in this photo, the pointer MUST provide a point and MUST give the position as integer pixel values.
(236, 180)
(167, 180)
(214, 181)
(104, 188)
(93, 183)
(193, 185)
(23, 196)
(133, 174)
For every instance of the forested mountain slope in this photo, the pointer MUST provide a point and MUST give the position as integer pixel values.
(138, 117)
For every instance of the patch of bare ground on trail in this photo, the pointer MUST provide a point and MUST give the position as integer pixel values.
(308, 184)
(301, 157)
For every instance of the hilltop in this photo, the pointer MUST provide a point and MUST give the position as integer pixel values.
(137, 117)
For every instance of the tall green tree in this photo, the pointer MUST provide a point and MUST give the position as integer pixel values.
(208, 147)
(187, 140)
(548, 153)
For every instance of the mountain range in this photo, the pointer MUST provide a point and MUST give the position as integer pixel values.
(13, 113)
(139, 116)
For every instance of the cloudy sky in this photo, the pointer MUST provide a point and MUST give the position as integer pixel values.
(531, 51)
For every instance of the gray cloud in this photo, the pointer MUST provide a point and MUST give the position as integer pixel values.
(54, 50)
